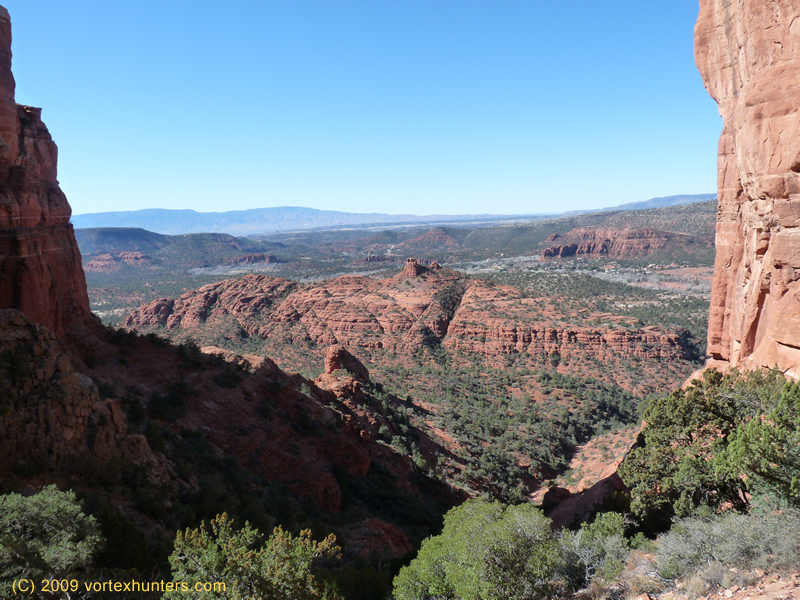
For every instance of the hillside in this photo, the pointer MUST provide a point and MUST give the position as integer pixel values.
(530, 368)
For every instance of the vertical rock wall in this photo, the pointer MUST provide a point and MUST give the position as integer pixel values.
(40, 264)
(748, 53)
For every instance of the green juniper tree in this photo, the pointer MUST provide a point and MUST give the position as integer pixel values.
(240, 564)
(44, 536)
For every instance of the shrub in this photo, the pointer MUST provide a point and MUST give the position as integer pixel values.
(486, 551)
(698, 545)
(710, 443)
(595, 551)
(247, 565)
(44, 536)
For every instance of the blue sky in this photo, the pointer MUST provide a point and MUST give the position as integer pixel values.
(401, 106)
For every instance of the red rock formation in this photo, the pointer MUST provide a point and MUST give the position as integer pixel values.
(572, 509)
(397, 314)
(563, 251)
(135, 259)
(748, 53)
(103, 263)
(51, 414)
(40, 264)
(107, 263)
(413, 268)
(621, 244)
(337, 357)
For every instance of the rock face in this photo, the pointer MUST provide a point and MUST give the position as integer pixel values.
(107, 263)
(337, 357)
(413, 268)
(748, 53)
(381, 321)
(622, 244)
(50, 414)
(40, 264)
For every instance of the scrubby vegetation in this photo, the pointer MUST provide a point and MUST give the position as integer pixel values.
(716, 443)
(488, 551)
(721, 453)
(497, 431)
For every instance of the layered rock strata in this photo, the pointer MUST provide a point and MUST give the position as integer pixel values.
(40, 264)
(51, 415)
(748, 53)
(619, 244)
(398, 313)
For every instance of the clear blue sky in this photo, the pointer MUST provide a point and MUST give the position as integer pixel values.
(401, 106)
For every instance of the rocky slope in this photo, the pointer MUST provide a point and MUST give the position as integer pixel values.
(748, 53)
(108, 263)
(40, 264)
(52, 416)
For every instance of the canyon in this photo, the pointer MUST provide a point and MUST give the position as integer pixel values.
(368, 406)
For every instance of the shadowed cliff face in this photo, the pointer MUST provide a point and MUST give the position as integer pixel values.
(748, 53)
(40, 264)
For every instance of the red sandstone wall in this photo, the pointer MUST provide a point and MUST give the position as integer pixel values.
(748, 53)
(40, 264)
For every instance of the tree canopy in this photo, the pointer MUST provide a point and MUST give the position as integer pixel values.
(277, 568)
(486, 551)
(45, 535)
(719, 441)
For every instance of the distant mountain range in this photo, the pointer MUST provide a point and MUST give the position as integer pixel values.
(295, 218)
(661, 202)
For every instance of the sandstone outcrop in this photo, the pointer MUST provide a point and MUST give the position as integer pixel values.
(748, 53)
(385, 320)
(40, 264)
(108, 263)
(611, 243)
(51, 415)
(387, 314)
(413, 268)
(338, 357)
(579, 508)
(505, 330)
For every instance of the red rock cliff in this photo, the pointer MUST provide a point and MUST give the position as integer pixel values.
(40, 265)
(748, 53)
